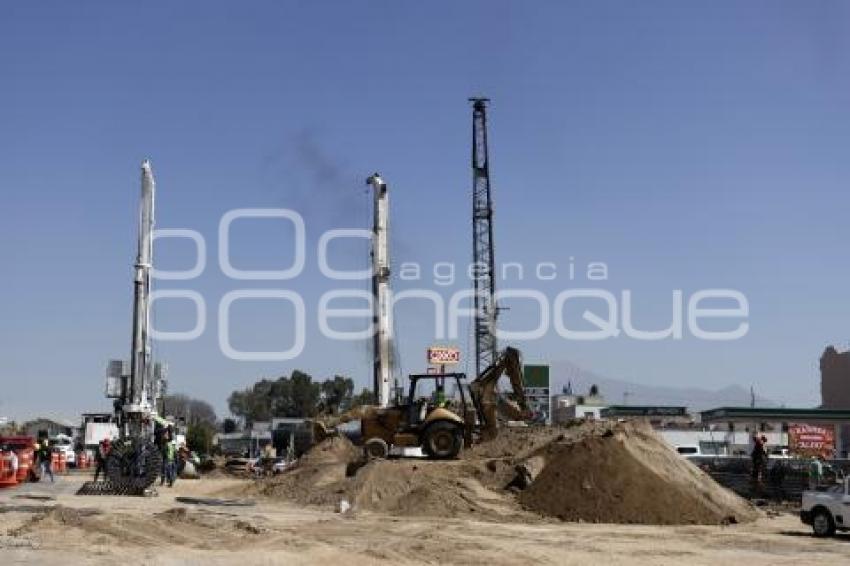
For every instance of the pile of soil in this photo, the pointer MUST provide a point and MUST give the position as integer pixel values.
(54, 517)
(628, 474)
(319, 476)
(334, 471)
(428, 488)
(602, 472)
(177, 526)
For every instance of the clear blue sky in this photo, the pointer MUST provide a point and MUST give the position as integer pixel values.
(687, 145)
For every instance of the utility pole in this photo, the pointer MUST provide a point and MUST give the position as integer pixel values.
(381, 362)
(486, 310)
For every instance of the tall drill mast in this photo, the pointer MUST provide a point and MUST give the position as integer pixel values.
(482, 242)
(136, 399)
(381, 362)
(135, 460)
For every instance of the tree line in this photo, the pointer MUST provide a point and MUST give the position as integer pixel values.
(296, 396)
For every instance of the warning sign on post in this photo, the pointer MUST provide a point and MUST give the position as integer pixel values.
(811, 440)
(443, 355)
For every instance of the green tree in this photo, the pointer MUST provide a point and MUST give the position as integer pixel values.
(365, 397)
(336, 394)
(294, 396)
(190, 410)
(199, 437)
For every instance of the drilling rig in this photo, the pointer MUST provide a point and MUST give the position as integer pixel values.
(486, 309)
(381, 348)
(134, 461)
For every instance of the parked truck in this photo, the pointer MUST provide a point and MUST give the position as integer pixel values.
(827, 509)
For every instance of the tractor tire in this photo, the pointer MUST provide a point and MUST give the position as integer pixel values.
(822, 523)
(442, 440)
(133, 466)
(376, 449)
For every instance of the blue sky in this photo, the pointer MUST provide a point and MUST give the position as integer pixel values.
(686, 145)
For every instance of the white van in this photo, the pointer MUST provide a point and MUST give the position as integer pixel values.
(65, 444)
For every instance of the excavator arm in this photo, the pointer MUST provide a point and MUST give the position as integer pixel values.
(487, 400)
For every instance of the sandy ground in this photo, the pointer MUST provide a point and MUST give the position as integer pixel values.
(159, 530)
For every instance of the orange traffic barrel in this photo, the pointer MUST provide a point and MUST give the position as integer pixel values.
(82, 460)
(63, 463)
(25, 463)
(8, 476)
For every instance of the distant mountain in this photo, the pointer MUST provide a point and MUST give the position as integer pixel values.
(619, 392)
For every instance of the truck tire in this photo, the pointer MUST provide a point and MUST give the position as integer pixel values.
(442, 440)
(822, 523)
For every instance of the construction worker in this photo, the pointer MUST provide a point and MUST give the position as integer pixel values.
(102, 453)
(438, 399)
(170, 462)
(169, 455)
(44, 462)
(758, 456)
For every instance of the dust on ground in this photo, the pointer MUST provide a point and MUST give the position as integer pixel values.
(502, 503)
(107, 530)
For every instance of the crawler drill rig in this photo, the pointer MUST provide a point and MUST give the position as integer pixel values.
(135, 461)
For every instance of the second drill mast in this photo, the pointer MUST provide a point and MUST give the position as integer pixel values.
(486, 309)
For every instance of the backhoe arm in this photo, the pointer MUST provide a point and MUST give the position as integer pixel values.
(488, 402)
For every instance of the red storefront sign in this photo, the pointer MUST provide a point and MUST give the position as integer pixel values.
(811, 440)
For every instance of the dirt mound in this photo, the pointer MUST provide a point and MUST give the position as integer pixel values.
(627, 474)
(515, 443)
(55, 517)
(427, 488)
(332, 450)
(334, 471)
(604, 472)
(177, 526)
(318, 477)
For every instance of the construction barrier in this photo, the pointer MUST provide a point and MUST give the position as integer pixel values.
(63, 463)
(54, 462)
(8, 475)
(82, 460)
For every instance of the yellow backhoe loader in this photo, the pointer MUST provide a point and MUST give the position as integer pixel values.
(442, 423)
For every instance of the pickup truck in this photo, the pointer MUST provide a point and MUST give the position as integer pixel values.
(827, 510)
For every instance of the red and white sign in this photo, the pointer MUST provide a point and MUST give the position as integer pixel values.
(443, 355)
(811, 440)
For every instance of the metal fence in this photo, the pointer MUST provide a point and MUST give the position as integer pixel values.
(782, 479)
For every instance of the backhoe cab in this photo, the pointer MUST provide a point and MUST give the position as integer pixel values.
(430, 417)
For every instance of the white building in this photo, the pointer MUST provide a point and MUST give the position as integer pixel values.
(567, 406)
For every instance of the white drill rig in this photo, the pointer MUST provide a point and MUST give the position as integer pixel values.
(382, 361)
(134, 461)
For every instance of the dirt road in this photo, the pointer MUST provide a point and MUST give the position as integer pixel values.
(72, 529)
